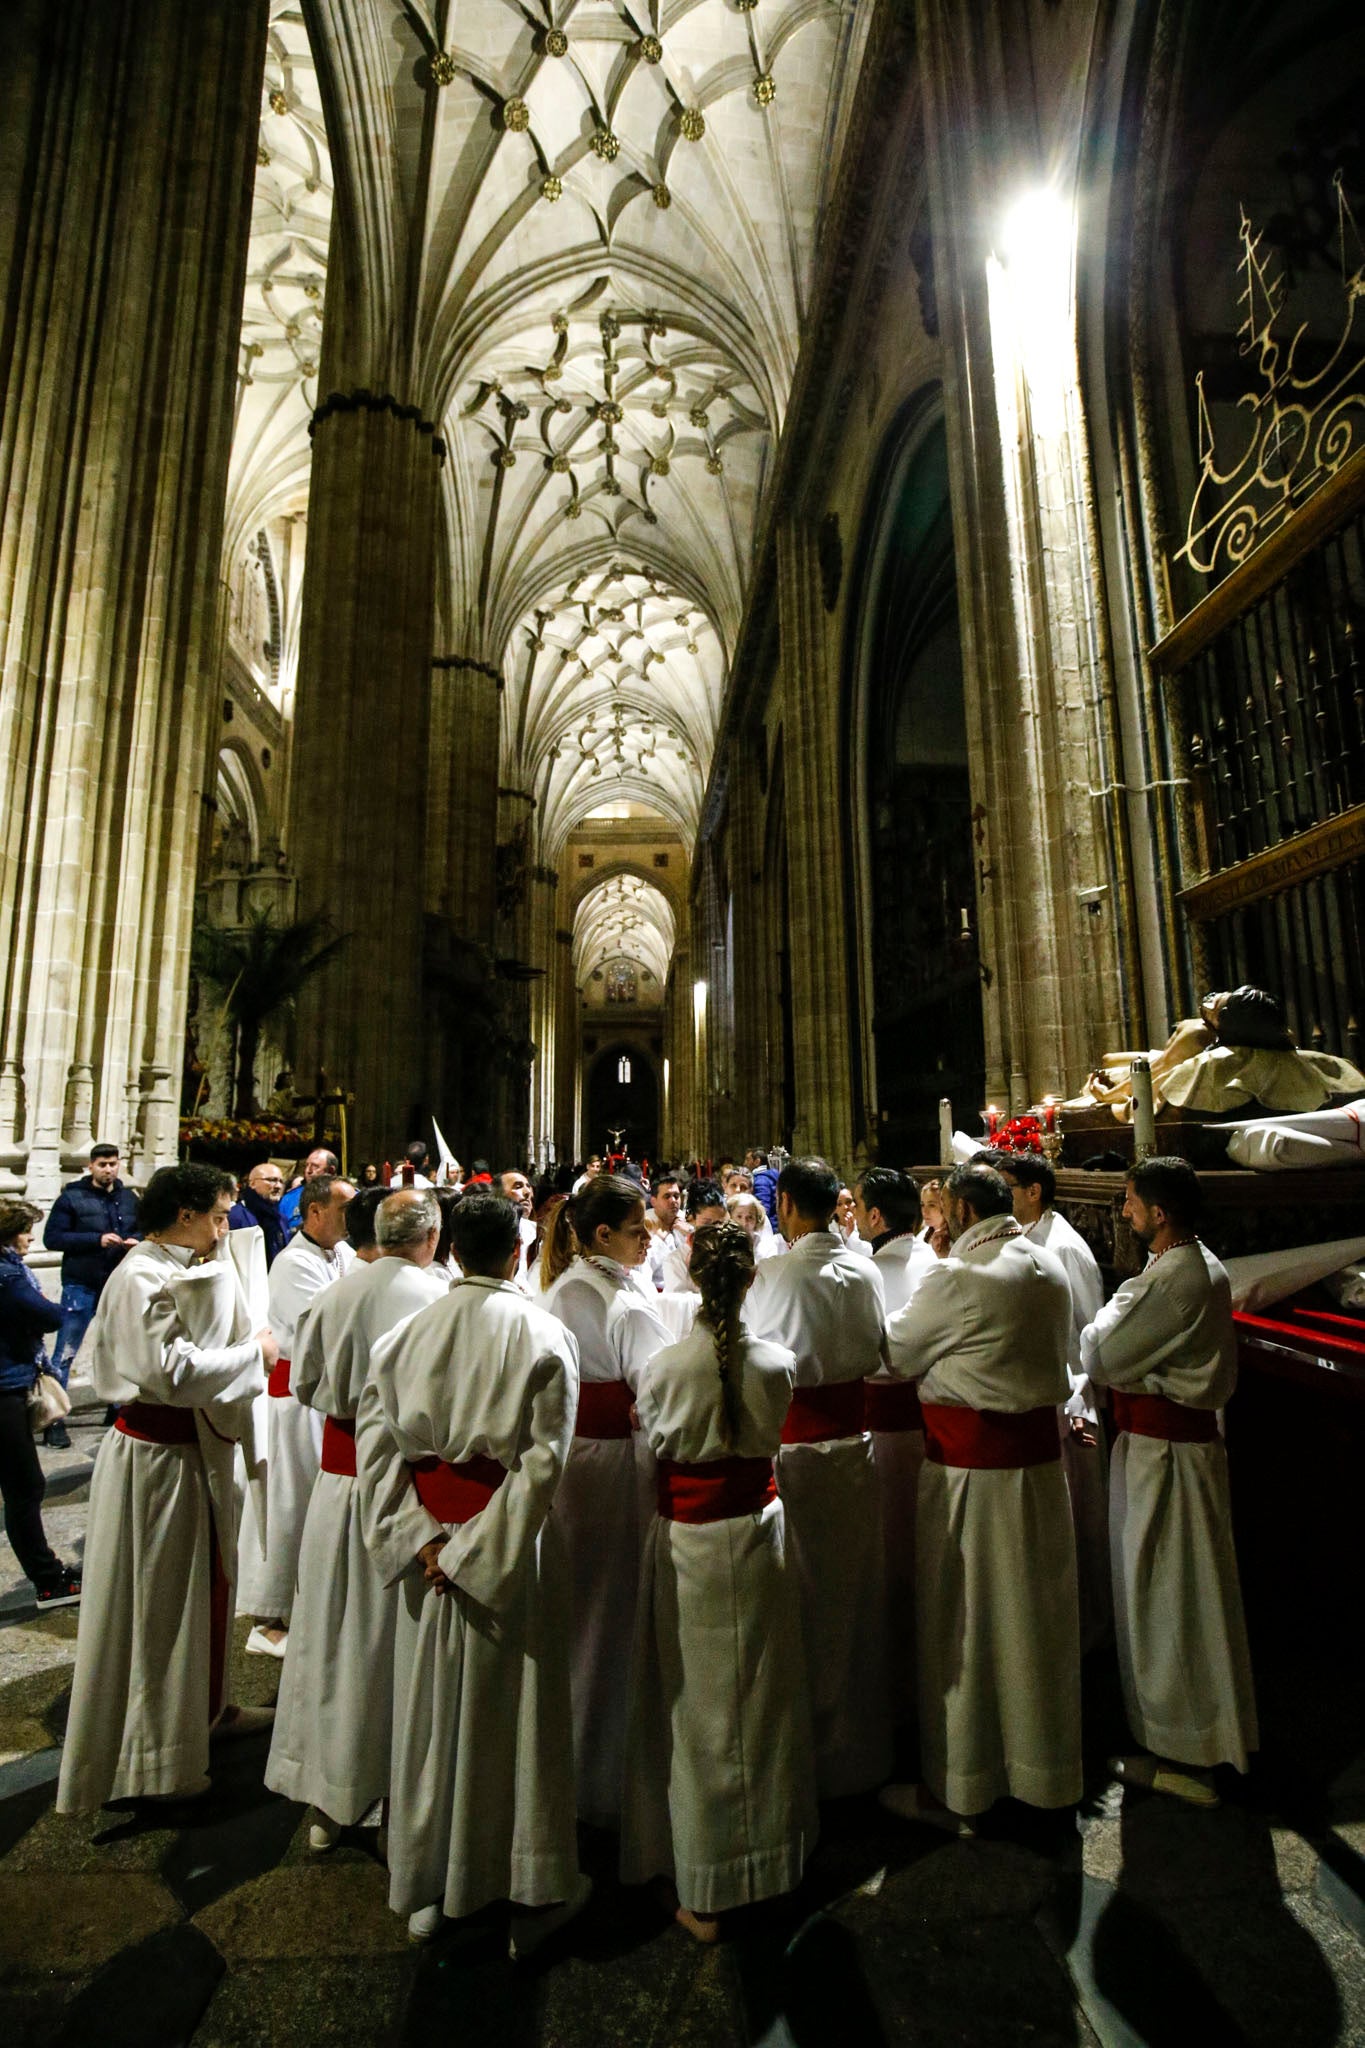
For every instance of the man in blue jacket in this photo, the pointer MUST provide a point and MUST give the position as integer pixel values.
(92, 1224)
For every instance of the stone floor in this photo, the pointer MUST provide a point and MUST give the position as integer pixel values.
(1139, 1922)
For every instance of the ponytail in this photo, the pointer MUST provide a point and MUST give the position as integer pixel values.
(557, 1249)
(722, 1270)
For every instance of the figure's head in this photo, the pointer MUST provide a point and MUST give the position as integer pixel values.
(609, 1220)
(1031, 1180)
(516, 1189)
(705, 1203)
(408, 1225)
(738, 1181)
(320, 1160)
(667, 1197)
(360, 1215)
(747, 1211)
(267, 1181)
(16, 1226)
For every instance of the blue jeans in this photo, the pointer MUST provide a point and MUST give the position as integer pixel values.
(78, 1307)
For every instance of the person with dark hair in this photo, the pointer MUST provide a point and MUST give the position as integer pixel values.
(462, 1438)
(257, 1207)
(161, 1539)
(513, 1184)
(330, 1748)
(480, 1177)
(360, 1214)
(93, 1224)
(314, 1258)
(368, 1176)
(414, 1172)
(887, 1213)
(1165, 1346)
(448, 1200)
(666, 1233)
(319, 1160)
(703, 1203)
(26, 1315)
(985, 1334)
(720, 1777)
(1032, 1183)
(618, 1330)
(824, 1303)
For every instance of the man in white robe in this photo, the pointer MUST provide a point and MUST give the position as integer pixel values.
(315, 1257)
(1166, 1348)
(985, 1334)
(462, 1438)
(170, 1346)
(887, 1213)
(1085, 1459)
(667, 1231)
(824, 1303)
(334, 1718)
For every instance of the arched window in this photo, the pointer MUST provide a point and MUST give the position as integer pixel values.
(623, 1070)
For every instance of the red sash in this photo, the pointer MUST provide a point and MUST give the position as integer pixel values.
(715, 1491)
(456, 1493)
(338, 1445)
(151, 1423)
(821, 1415)
(603, 1409)
(1155, 1415)
(985, 1440)
(278, 1383)
(891, 1406)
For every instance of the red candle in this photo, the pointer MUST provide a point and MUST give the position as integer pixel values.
(992, 1121)
(1049, 1113)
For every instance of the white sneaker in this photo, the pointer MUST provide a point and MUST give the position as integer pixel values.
(426, 1923)
(323, 1832)
(259, 1644)
(531, 1931)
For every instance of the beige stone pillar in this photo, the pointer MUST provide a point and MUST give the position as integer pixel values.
(358, 803)
(127, 144)
(462, 815)
(751, 950)
(810, 725)
(544, 955)
(568, 1036)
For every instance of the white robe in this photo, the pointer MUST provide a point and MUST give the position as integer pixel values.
(334, 1719)
(140, 1705)
(482, 1794)
(824, 1303)
(898, 1455)
(1182, 1641)
(1086, 1465)
(720, 1771)
(999, 1639)
(602, 1511)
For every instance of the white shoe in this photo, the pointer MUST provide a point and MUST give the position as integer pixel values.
(531, 1931)
(259, 1644)
(426, 1923)
(323, 1832)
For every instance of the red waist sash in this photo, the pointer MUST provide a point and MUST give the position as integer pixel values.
(151, 1423)
(278, 1383)
(986, 1440)
(456, 1493)
(603, 1409)
(338, 1445)
(1155, 1415)
(715, 1491)
(820, 1415)
(891, 1406)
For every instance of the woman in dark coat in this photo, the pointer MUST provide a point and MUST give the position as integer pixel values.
(26, 1316)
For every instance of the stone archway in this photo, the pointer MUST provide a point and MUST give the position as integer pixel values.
(621, 1091)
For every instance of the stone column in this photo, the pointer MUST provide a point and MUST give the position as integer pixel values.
(127, 148)
(358, 802)
(751, 950)
(821, 1017)
(462, 812)
(544, 954)
(568, 1035)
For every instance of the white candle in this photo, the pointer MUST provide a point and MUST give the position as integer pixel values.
(945, 1131)
(1144, 1112)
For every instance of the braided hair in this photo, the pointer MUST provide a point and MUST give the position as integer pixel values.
(722, 1270)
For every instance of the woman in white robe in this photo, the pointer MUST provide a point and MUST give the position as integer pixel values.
(170, 1345)
(1166, 1347)
(465, 1426)
(720, 1773)
(605, 1499)
(334, 1717)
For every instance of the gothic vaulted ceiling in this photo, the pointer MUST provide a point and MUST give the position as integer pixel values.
(580, 233)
